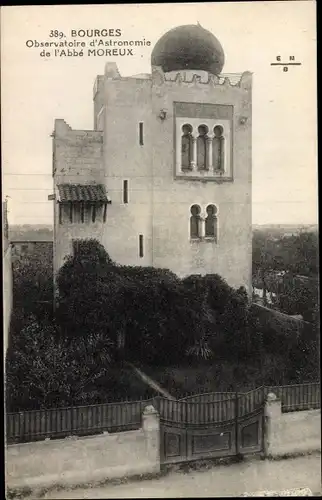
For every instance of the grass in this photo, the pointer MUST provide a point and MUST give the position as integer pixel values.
(120, 384)
(205, 377)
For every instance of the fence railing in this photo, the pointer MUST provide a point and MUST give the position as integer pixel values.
(208, 408)
(293, 397)
(297, 397)
(194, 413)
(81, 420)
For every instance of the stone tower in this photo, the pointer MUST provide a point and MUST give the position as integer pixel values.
(164, 179)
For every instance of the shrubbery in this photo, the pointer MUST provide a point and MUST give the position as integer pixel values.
(153, 314)
(108, 313)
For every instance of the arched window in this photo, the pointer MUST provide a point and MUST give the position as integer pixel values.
(195, 222)
(211, 228)
(186, 147)
(218, 149)
(202, 147)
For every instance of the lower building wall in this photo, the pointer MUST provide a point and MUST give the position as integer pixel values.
(291, 433)
(76, 461)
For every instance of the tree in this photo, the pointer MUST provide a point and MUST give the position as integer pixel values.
(88, 286)
(150, 314)
(297, 254)
(301, 253)
(33, 283)
(160, 321)
(223, 318)
(298, 297)
(46, 370)
(146, 312)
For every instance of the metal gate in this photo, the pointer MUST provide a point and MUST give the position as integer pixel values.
(211, 429)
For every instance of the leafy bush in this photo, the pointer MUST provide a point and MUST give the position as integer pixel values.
(145, 315)
(33, 283)
(151, 314)
(44, 369)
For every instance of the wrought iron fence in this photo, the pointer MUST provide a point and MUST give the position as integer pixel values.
(208, 408)
(293, 397)
(297, 397)
(81, 420)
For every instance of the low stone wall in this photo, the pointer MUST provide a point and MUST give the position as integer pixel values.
(76, 461)
(290, 433)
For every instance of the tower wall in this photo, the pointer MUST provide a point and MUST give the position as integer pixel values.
(139, 144)
(128, 103)
(78, 159)
(172, 248)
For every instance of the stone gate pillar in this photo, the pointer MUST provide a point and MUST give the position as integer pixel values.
(151, 429)
(272, 413)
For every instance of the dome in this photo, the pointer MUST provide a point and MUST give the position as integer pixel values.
(189, 47)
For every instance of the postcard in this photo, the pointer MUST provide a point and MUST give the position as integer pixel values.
(160, 247)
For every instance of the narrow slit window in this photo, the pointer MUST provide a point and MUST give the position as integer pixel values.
(76, 246)
(211, 222)
(94, 209)
(141, 133)
(125, 191)
(195, 222)
(202, 147)
(218, 148)
(186, 147)
(82, 212)
(141, 253)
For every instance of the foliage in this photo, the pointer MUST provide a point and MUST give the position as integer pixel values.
(33, 282)
(304, 354)
(297, 254)
(162, 320)
(288, 267)
(298, 297)
(226, 315)
(44, 369)
(88, 289)
(150, 313)
(146, 315)
(88, 262)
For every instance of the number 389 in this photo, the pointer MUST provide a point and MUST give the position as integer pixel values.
(56, 34)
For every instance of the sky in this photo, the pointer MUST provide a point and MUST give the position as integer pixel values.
(36, 90)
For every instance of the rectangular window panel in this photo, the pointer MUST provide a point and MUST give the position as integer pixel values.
(94, 209)
(75, 244)
(141, 245)
(64, 213)
(77, 213)
(141, 133)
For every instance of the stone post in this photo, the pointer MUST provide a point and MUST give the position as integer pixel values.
(209, 165)
(193, 162)
(151, 429)
(202, 225)
(272, 412)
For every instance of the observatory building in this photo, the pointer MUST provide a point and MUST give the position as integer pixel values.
(164, 177)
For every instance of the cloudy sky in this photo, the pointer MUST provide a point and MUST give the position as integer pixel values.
(37, 90)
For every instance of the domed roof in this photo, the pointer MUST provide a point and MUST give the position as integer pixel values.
(189, 47)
